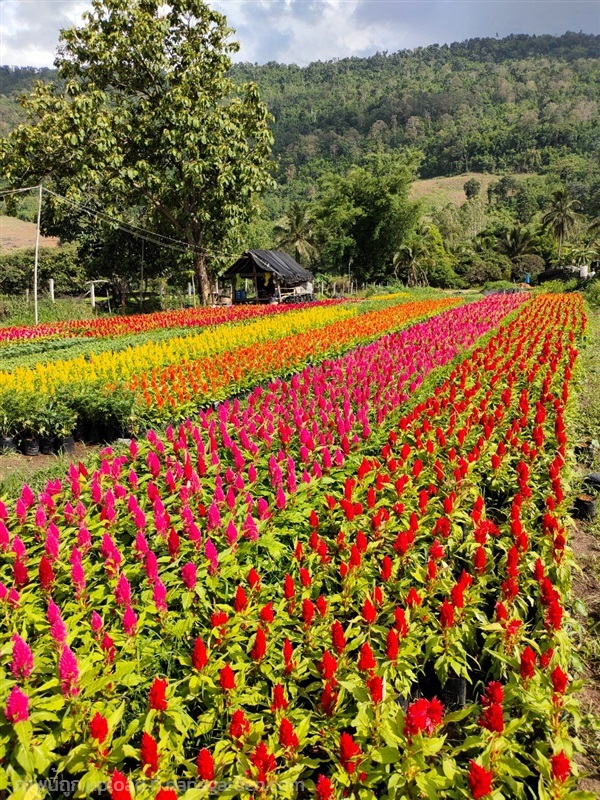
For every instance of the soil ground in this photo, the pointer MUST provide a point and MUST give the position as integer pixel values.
(16, 234)
(585, 541)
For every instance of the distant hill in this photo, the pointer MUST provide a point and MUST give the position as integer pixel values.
(518, 104)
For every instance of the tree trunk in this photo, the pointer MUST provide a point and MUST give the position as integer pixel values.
(202, 278)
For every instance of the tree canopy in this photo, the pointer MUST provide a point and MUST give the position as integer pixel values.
(150, 124)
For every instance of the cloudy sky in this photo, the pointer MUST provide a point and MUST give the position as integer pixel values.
(301, 31)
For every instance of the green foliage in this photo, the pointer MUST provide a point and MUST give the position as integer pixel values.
(61, 263)
(472, 188)
(150, 124)
(365, 215)
(490, 105)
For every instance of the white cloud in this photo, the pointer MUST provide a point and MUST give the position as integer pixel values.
(301, 31)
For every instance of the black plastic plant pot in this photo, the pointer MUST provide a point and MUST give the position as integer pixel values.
(586, 507)
(7, 445)
(46, 445)
(67, 445)
(592, 481)
(30, 447)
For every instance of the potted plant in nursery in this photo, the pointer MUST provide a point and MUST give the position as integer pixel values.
(32, 423)
(65, 421)
(9, 421)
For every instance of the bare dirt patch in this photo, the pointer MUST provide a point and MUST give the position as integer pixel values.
(16, 234)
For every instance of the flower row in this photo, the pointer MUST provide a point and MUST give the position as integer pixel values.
(103, 327)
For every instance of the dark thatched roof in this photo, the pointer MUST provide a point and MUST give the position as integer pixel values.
(289, 272)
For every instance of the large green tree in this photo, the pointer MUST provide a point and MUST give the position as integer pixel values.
(149, 122)
(365, 216)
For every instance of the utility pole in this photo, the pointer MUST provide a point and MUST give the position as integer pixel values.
(37, 252)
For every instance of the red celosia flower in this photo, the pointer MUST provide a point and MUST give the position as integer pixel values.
(423, 715)
(375, 687)
(480, 780)
(366, 660)
(328, 665)
(492, 718)
(305, 577)
(328, 699)
(279, 699)
(480, 559)
(263, 762)
(239, 726)
(324, 788)
(46, 574)
(289, 588)
(527, 663)
(199, 655)
(413, 598)
(392, 645)
(559, 680)
(494, 693)
(149, 754)
(287, 735)
(260, 646)
(288, 652)
(98, 727)
(369, 612)
(205, 765)
(267, 614)
(227, 678)
(338, 637)
(254, 579)
(560, 767)
(546, 657)
(119, 786)
(446, 614)
(321, 604)
(386, 568)
(157, 695)
(166, 794)
(349, 753)
(308, 612)
(241, 601)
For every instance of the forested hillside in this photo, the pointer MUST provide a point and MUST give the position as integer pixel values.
(515, 104)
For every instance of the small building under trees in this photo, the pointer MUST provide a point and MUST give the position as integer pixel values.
(274, 276)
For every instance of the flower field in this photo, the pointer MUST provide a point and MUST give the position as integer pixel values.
(181, 373)
(109, 327)
(351, 583)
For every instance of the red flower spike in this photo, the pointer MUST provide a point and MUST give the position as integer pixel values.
(205, 765)
(480, 780)
(157, 695)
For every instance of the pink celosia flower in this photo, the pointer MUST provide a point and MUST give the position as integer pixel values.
(68, 672)
(17, 706)
(22, 663)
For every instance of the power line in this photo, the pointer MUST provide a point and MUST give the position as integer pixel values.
(4, 192)
(160, 239)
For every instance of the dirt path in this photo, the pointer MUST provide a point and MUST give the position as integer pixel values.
(585, 541)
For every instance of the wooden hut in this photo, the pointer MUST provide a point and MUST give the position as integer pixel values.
(275, 275)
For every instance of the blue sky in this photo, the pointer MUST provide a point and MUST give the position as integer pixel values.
(300, 31)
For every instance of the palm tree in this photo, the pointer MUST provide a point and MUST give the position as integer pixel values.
(515, 242)
(561, 216)
(413, 256)
(294, 232)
